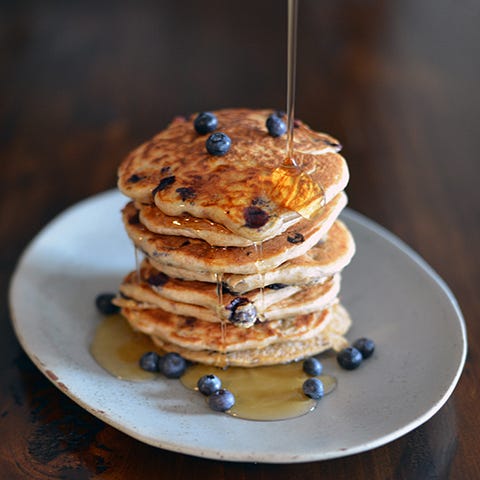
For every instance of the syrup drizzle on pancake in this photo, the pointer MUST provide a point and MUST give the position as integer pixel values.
(293, 187)
(219, 289)
(138, 262)
(261, 271)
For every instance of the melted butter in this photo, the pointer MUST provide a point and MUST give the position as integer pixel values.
(117, 348)
(263, 393)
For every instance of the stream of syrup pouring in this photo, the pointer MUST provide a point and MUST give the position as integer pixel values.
(292, 187)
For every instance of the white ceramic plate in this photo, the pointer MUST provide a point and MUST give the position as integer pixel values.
(394, 297)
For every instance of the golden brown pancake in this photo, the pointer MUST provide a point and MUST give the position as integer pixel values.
(337, 323)
(195, 334)
(190, 227)
(175, 171)
(200, 299)
(195, 254)
(329, 256)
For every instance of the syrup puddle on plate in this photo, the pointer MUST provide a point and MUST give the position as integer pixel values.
(261, 393)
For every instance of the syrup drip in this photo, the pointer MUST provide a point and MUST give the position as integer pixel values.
(138, 262)
(223, 323)
(261, 272)
(291, 78)
(292, 187)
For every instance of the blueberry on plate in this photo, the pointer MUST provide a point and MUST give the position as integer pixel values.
(349, 358)
(104, 303)
(366, 346)
(275, 125)
(313, 388)
(173, 365)
(150, 362)
(205, 122)
(221, 400)
(312, 366)
(218, 144)
(209, 384)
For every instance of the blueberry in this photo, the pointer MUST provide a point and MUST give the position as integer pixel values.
(150, 362)
(243, 311)
(209, 384)
(365, 346)
(296, 238)
(349, 358)
(205, 122)
(221, 400)
(255, 217)
(313, 388)
(312, 366)
(218, 144)
(275, 125)
(164, 183)
(173, 365)
(105, 305)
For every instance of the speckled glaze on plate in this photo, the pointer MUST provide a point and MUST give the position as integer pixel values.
(393, 296)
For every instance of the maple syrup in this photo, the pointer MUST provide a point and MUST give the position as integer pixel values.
(293, 187)
(138, 262)
(117, 348)
(258, 246)
(223, 360)
(261, 393)
(291, 77)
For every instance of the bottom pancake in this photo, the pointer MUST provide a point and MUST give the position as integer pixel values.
(283, 349)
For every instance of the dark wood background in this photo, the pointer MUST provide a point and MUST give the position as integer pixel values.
(397, 81)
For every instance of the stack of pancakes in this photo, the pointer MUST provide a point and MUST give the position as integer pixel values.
(231, 273)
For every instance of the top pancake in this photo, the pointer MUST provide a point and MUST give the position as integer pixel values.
(175, 171)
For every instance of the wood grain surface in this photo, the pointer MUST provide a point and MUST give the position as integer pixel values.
(397, 81)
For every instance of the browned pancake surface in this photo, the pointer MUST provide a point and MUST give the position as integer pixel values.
(195, 254)
(175, 171)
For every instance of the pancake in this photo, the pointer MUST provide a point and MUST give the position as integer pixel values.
(179, 296)
(175, 171)
(205, 305)
(190, 227)
(329, 256)
(331, 336)
(196, 334)
(195, 254)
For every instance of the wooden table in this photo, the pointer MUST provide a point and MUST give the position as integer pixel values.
(397, 82)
